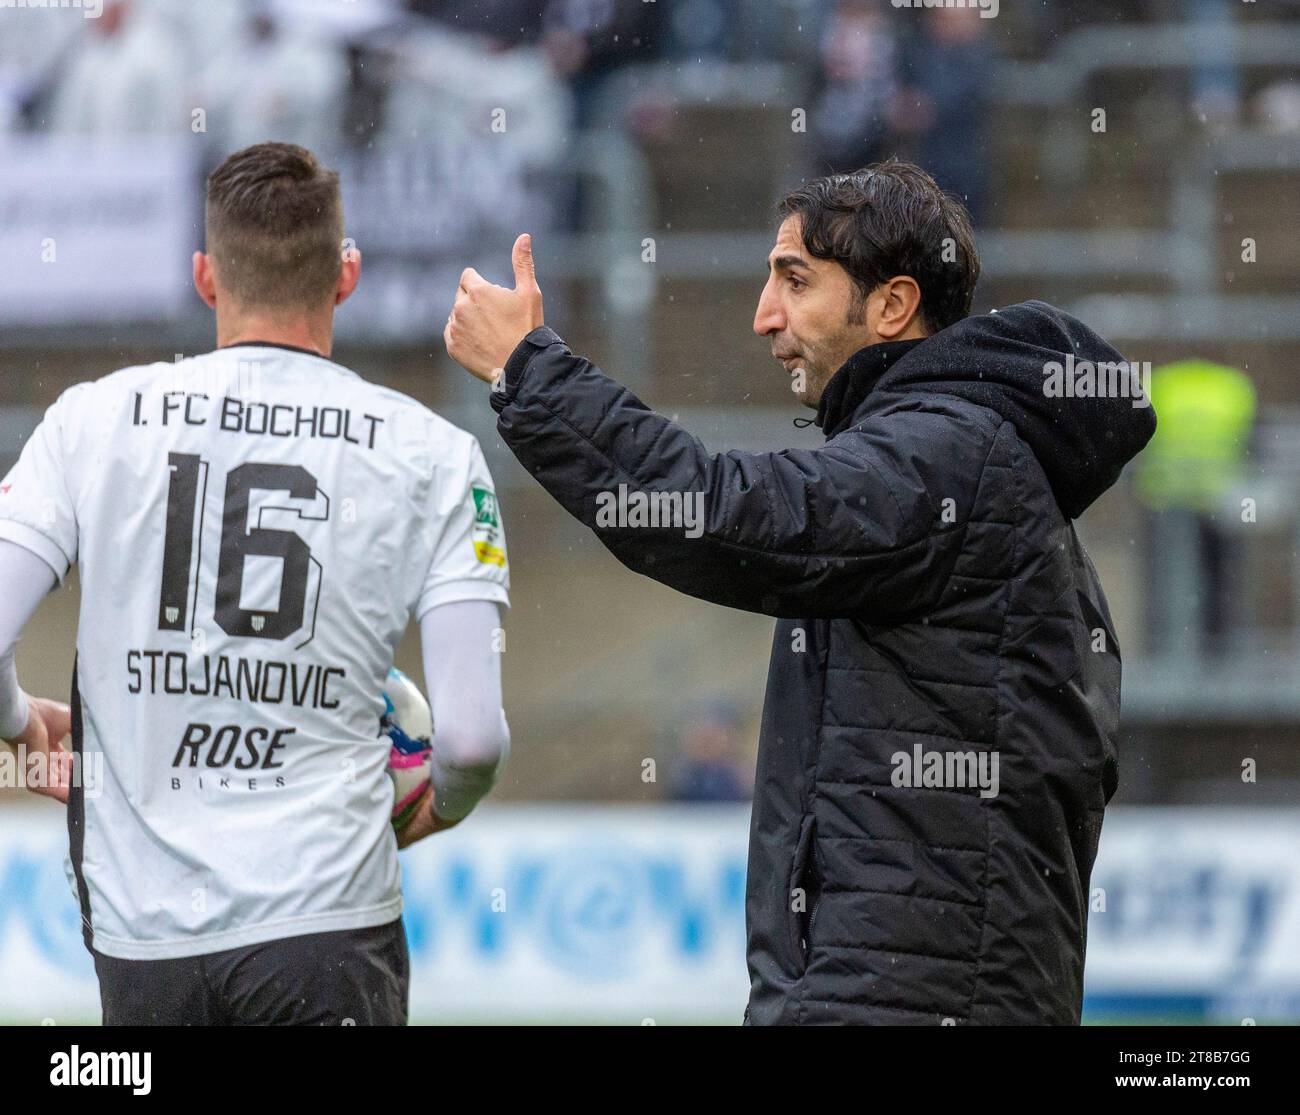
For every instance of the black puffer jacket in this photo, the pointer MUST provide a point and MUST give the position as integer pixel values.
(936, 607)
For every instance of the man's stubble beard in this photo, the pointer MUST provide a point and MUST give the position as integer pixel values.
(818, 371)
(815, 381)
(819, 368)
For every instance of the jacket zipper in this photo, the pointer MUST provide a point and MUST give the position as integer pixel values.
(812, 914)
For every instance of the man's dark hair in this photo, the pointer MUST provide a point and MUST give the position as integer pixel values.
(891, 219)
(275, 226)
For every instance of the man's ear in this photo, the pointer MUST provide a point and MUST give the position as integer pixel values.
(204, 280)
(349, 275)
(897, 309)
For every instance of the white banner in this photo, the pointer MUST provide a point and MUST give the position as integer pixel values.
(552, 914)
(96, 233)
(546, 913)
(626, 914)
(1196, 913)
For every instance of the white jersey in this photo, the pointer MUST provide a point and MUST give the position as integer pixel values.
(254, 529)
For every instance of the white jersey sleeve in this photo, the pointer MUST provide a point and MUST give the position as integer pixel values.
(471, 739)
(27, 580)
(36, 508)
(466, 536)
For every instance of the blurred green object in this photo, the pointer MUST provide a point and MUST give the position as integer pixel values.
(1205, 413)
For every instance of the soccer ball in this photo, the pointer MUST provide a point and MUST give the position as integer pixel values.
(408, 724)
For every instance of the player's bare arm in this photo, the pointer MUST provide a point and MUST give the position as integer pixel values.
(33, 727)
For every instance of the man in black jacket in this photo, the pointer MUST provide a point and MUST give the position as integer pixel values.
(939, 736)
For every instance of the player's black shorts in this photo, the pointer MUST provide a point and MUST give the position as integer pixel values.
(349, 977)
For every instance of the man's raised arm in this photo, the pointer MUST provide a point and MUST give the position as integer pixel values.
(855, 527)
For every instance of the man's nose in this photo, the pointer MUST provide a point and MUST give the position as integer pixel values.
(768, 318)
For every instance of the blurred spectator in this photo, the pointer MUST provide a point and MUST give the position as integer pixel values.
(126, 76)
(945, 107)
(699, 29)
(34, 49)
(713, 765)
(204, 28)
(274, 80)
(1187, 477)
(587, 40)
(447, 83)
(858, 87)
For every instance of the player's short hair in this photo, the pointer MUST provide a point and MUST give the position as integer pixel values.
(274, 220)
(890, 219)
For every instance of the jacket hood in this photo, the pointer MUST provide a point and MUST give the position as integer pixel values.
(1037, 367)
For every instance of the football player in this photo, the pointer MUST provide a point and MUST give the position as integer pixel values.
(253, 528)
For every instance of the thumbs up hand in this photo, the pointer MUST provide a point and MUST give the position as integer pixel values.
(487, 321)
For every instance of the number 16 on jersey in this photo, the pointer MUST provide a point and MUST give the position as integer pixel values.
(268, 581)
